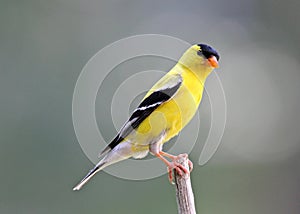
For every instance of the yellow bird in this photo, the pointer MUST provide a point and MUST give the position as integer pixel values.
(168, 106)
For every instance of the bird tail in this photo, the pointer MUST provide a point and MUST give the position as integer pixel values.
(91, 173)
(121, 152)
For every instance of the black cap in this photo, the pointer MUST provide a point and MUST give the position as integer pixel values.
(208, 51)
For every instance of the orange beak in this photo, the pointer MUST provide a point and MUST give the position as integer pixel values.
(213, 62)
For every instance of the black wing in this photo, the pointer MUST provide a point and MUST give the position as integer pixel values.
(147, 106)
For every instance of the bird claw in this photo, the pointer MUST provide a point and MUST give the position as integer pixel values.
(174, 165)
(180, 169)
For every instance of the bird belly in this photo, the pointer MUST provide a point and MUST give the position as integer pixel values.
(169, 119)
(181, 111)
(182, 107)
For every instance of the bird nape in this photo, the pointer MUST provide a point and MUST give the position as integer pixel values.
(164, 111)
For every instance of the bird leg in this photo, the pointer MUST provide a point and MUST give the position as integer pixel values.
(174, 165)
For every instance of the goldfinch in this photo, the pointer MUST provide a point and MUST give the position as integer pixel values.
(168, 106)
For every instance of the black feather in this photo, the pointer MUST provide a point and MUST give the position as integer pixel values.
(208, 51)
(146, 107)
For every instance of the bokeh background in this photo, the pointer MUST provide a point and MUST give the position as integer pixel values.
(43, 48)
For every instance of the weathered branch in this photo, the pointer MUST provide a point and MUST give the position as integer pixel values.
(184, 192)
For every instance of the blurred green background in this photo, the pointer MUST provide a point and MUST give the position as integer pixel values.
(43, 48)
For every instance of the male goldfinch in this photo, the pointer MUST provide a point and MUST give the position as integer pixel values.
(168, 106)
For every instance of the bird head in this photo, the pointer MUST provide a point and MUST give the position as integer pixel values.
(200, 58)
(210, 54)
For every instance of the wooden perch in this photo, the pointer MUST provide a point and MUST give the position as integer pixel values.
(184, 192)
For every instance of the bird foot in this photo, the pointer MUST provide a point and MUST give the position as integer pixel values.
(179, 168)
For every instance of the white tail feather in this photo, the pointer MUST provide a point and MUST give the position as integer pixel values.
(91, 173)
(120, 152)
